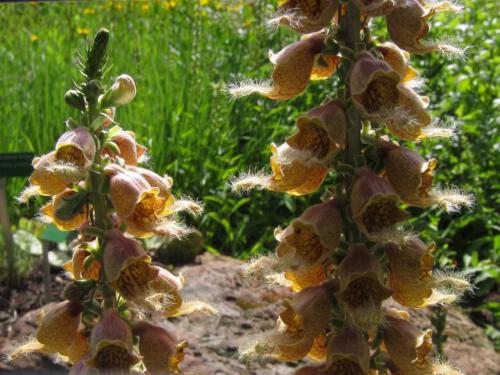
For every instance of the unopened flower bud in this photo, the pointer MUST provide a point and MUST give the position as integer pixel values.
(128, 148)
(122, 92)
(75, 99)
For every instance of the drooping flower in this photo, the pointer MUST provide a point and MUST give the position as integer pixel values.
(306, 244)
(398, 60)
(375, 206)
(81, 268)
(111, 345)
(375, 8)
(412, 280)
(128, 269)
(348, 353)
(161, 352)
(143, 201)
(411, 176)
(68, 219)
(362, 287)
(79, 348)
(294, 66)
(409, 347)
(305, 16)
(301, 164)
(68, 163)
(56, 331)
(129, 150)
(407, 25)
(305, 317)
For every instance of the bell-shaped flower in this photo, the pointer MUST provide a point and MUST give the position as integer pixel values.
(294, 66)
(409, 347)
(143, 201)
(128, 269)
(378, 91)
(398, 60)
(407, 25)
(301, 164)
(161, 352)
(81, 267)
(309, 241)
(412, 280)
(68, 210)
(375, 206)
(305, 317)
(411, 176)
(375, 8)
(305, 16)
(348, 353)
(79, 348)
(111, 345)
(68, 163)
(362, 287)
(129, 150)
(56, 331)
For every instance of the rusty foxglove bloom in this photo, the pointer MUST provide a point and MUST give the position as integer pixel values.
(56, 331)
(348, 353)
(81, 268)
(412, 280)
(375, 206)
(305, 246)
(407, 25)
(111, 345)
(304, 318)
(143, 201)
(80, 347)
(409, 347)
(130, 151)
(160, 351)
(398, 60)
(68, 221)
(68, 163)
(305, 16)
(292, 72)
(122, 92)
(374, 8)
(362, 287)
(301, 163)
(411, 176)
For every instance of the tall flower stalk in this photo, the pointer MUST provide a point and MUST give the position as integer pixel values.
(106, 325)
(349, 256)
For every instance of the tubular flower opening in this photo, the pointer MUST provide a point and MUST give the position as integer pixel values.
(375, 8)
(143, 201)
(407, 25)
(362, 287)
(56, 331)
(304, 318)
(409, 348)
(294, 66)
(411, 176)
(412, 280)
(305, 16)
(348, 353)
(159, 348)
(129, 150)
(398, 60)
(301, 164)
(70, 221)
(374, 203)
(111, 344)
(306, 244)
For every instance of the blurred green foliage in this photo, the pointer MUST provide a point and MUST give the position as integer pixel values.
(182, 54)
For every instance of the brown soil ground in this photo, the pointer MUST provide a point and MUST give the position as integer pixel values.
(246, 309)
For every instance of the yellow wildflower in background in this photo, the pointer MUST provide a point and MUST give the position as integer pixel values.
(169, 4)
(82, 30)
(145, 7)
(88, 11)
(34, 38)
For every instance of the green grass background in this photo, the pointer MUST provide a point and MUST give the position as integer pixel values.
(182, 53)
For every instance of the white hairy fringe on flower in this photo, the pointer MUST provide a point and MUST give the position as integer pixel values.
(451, 199)
(67, 171)
(447, 45)
(255, 349)
(391, 235)
(190, 307)
(189, 205)
(259, 267)
(278, 279)
(249, 87)
(416, 84)
(171, 228)
(248, 181)
(27, 193)
(447, 281)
